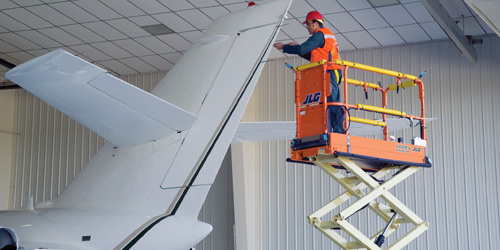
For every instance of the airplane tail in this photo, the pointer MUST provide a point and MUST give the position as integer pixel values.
(225, 99)
(165, 148)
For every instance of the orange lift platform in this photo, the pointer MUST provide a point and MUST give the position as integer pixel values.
(369, 160)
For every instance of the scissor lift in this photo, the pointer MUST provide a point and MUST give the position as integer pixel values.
(369, 160)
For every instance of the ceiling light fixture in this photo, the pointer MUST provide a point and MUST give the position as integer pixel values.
(383, 3)
(157, 29)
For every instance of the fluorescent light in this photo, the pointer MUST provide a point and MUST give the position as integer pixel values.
(157, 29)
(383, 3)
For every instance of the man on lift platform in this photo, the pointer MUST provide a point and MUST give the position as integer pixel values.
(322, 45)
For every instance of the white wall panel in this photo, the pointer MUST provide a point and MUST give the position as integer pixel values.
(218, 210)
(52, 148)
(459, 195)
(8, 139)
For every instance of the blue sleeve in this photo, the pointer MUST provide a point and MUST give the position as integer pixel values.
(304, 50)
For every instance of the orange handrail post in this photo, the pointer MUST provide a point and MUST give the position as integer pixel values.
(345, 97)
(326, 91)
(297, 103)
(421, 96)
(384, 116)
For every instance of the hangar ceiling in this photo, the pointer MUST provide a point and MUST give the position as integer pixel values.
(114, 33)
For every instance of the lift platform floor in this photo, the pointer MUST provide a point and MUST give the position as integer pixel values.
(369, 154)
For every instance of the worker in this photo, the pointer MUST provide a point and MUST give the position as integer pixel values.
(322, 45)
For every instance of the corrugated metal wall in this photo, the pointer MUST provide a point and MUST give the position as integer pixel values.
(459, 195)
(218, 210)
(52, 149)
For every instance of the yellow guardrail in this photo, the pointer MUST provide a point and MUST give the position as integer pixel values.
(362, 83)
(350, 81)
(375, 69)
(310, 65)
(404, 85)
(367, 121)
(380, 110)
(410, 82)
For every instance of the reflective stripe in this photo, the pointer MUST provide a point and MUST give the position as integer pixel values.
(330, 36)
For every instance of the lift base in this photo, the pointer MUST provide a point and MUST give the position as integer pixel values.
(355, 187)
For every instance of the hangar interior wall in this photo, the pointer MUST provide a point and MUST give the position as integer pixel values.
(459, 195)
(8, 138)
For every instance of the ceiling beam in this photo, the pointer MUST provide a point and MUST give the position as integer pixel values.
(8, 85)
(7, 64)
(488, 11)
(439, 13)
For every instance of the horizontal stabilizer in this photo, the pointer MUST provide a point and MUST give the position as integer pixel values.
(393, 125)
(274, 131)
(119, 112)
(265, 131)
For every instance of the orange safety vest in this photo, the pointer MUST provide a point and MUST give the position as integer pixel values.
(330, 45)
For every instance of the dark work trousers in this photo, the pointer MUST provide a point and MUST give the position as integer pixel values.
(335, 113)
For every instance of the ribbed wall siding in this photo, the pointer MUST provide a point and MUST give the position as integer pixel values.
(52, 148)
(459, 195)
(218, 210)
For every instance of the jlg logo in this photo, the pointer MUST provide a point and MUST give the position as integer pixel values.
(312, 98)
